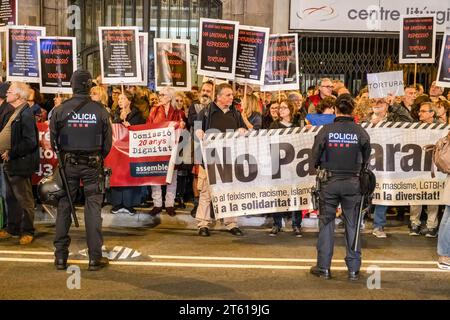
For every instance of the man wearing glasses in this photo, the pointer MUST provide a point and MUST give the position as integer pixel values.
(325, 90)
(427, 114)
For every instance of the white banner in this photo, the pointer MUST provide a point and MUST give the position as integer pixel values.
(152, 143)
(363, 15)
(273, 171)
(384, 84)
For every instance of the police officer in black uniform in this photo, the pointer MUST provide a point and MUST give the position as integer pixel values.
(341, 150)
(81, 129)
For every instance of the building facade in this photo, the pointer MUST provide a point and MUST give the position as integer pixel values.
(177, 19)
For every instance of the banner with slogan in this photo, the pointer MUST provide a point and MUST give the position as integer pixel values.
(443, 75)
(143, 53)
(417, 39)
(58, 61)
(273, 171)
(173, 64)
(282, 63)
(119, 55)
(384, 84)
(217, 49)
(142, 155)
(9, 11)
(48, 159)
(22, 53)
(253, 43)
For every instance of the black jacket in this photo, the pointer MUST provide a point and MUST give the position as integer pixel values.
(24, 154)
(207, 113)
(88, 131)
(342, 146)
(6, 110)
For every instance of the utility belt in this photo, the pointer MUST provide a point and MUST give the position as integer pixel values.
(324, 174)
(91, 160)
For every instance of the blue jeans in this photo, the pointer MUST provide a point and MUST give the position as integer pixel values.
(443, 247)
(379, 216)
(296, 219)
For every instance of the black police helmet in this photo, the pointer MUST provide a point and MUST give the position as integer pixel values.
(50, 189)
(81, 81)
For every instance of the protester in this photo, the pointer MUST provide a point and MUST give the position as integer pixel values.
(435, 91)
(99, 94)
(58, 100)
(124, 199)
(427, 114)
(34, 101)
(271, 115)
(443, 110)
(19, 149)
(250, 113)
(165, 112)
(286, 120)
(325, 113)
(325, 90)
(223, 116)
(6, 110)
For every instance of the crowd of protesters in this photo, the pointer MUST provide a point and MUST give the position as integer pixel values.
(133, 105)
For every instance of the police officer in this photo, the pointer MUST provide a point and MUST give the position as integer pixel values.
(341, 150)
(82, 131)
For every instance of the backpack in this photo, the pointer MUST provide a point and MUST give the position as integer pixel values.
(441, 155)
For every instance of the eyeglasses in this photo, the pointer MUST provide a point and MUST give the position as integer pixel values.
(283, 108)
(328, 87)
(423, 111)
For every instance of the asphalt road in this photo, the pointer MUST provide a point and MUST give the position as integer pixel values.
(171, 264)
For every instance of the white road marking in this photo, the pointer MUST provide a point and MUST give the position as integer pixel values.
(117, 250)
(286, 260)
(214, 265)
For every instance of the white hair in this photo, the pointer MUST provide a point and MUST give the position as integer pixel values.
(21, 89)
(171, 93)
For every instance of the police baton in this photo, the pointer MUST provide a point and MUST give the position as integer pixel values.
(62, 173)
(358, 225)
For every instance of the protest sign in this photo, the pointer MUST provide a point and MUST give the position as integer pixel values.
(217, 48)
(384, 84)
(172, 64)
(417, 39)
(143, 52)
(282, 63)
(9, 12)
(273, 171)
(443, 76)
(58, 61)
(142, 155)
(252, 49)
(120, 55)
(22, 53)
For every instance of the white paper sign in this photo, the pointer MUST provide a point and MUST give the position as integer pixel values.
(152, 143)
(382, 85)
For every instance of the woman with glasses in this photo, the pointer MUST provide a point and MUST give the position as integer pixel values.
(286, 120)
(271, 115)
(166, 111)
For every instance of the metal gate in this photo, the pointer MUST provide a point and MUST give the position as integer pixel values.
(350, 58)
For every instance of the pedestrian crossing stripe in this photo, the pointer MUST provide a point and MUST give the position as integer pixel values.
(117, 253)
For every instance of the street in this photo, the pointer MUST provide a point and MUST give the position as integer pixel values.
(164, 263)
